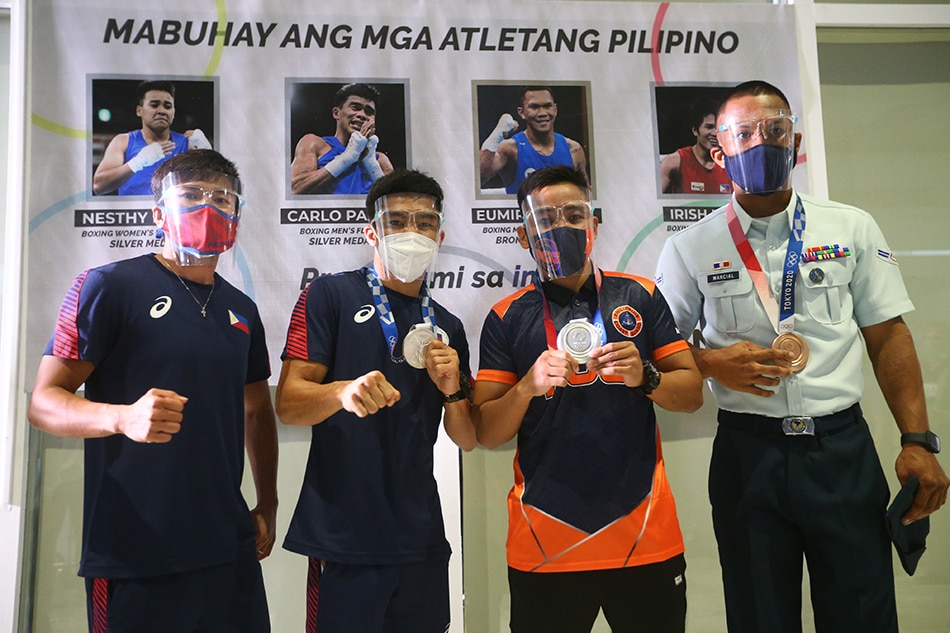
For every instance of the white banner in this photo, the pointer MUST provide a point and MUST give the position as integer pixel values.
(257, 76)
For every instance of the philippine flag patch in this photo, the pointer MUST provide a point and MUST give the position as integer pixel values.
(239, 322)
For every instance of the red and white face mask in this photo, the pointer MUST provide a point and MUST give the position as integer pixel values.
(202, 230)
(200, 215)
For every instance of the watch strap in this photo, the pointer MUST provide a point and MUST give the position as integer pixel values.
(455, 397)
(927, 439)
(651, 378)
(465, 390)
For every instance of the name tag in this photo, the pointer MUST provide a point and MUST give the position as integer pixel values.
(729, 275)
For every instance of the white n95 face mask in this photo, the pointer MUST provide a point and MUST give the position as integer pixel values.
(407, 255)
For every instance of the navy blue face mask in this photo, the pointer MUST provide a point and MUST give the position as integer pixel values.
(561, 252)
(761, 170)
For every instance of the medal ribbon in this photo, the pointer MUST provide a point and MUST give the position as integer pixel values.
(551, 333)
(781, 314)
(387, 319)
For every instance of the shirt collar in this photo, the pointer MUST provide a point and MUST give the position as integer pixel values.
(788, 213)
(562, 296)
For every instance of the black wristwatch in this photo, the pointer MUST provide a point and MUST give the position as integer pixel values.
(465, 390)
(928, 440)
(651, 378)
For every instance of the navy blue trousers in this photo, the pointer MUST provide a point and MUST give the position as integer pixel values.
(779, 501)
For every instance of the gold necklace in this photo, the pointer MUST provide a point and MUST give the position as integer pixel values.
(201, 306)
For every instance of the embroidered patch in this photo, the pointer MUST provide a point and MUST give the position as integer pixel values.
(627, 321)
(887, 256)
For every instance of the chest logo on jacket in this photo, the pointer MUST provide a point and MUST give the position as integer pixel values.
(364, 313)
(161, 307)
(627, 321)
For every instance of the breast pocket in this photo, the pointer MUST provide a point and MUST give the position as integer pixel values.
(731, 297)
(826, 296)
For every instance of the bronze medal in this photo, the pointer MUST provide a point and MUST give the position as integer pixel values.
(794, 343)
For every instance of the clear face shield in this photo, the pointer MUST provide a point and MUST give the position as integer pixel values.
(201, 210)
(760, 153)
(560, 237)
(409, 229)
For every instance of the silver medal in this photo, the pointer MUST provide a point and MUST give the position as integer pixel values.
(579, 338)
(414, 345)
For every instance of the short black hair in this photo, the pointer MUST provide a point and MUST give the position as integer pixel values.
(404, 181)
(145, 86)
(192, 160)
(548, 176)
(526, 89)
(754, 88)
(701, 108)
(364, 91)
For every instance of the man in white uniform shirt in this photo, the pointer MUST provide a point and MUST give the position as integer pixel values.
(784, 287)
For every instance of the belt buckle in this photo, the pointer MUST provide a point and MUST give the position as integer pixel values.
(798, 425)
